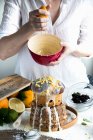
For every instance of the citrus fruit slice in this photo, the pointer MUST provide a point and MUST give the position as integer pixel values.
(16, 104)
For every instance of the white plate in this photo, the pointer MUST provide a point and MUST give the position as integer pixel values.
(82, 88)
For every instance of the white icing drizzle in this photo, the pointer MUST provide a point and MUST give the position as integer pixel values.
(49, 110)
(41, 118)
(57, 118)
(34, 112)
(56, 114)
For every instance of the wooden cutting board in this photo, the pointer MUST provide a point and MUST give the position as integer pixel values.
(12, 84)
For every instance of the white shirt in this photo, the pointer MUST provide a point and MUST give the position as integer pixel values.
(73, 23)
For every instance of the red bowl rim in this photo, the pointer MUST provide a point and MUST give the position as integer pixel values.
(47, 55)
(50, 54)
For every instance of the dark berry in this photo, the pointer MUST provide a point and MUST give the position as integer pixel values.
(77, 98)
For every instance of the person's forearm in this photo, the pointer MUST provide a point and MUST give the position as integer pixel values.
(83, 50)
(10, 45)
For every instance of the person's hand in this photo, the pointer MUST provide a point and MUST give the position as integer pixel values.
(67, 49)
(37, 22)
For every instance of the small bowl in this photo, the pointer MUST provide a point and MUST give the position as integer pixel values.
(32, 134)
(82, 88)
(45, 48)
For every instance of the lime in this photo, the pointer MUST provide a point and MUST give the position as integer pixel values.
(3, 112)
(17, 105)
(11, 116)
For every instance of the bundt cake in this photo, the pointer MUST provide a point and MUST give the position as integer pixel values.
(47, 111)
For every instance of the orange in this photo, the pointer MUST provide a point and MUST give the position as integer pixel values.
(4, 103)
(29, 98)
(43, 7)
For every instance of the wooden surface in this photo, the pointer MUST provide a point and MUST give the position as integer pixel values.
(11, 135)
(12, 84)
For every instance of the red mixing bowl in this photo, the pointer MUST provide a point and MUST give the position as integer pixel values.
(45, 48)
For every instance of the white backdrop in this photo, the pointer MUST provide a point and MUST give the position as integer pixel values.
(7, 67)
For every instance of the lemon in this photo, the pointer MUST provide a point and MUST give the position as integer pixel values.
(17, 105)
